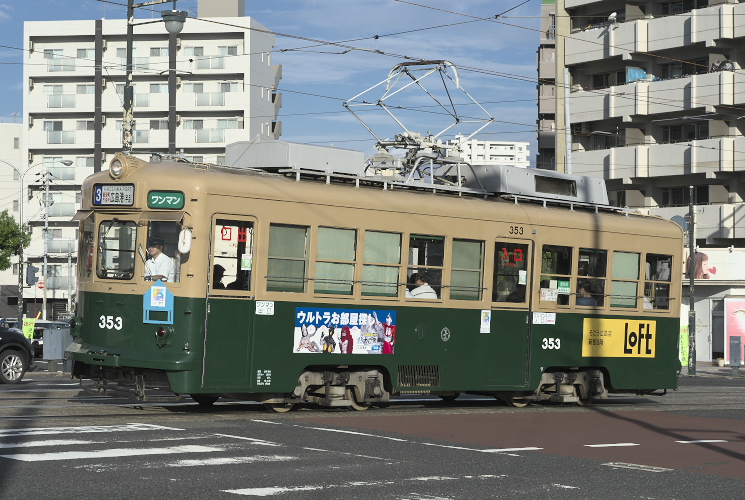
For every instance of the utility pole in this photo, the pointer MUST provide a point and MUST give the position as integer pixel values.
(69, 278)
(691, 277)
(44, 270)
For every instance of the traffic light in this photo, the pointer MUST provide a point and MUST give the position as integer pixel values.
(31, 277)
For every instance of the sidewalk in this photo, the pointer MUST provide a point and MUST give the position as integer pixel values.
(710, 369)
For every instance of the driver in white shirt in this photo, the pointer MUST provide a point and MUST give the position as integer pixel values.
(159, 266)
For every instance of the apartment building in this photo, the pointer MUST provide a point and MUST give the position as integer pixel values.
(479, 152)
(657, 105)
(195, 92)
(546, 154)
(11, 154)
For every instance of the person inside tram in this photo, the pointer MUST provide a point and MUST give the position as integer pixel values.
(422, 289)
(159, 266)
(585, 297)
(217, 273)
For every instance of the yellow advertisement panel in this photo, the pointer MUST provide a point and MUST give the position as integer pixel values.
(619, 338)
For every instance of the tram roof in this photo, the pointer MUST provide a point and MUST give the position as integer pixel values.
(355, 193)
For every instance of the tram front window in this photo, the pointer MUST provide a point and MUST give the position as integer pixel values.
(116, 249)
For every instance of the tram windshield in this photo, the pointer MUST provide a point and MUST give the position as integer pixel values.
(116, 249)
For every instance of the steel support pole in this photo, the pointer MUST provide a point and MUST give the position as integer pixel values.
(692, 279)
(128, 88)
(46, 245)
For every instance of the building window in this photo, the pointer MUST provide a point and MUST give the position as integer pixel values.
(158, 124)
(685, 132)
(158, 88)
(193, 124)
(194, 88)
(158, 51)
(15, 205)
(193, 51)
(16, 143)
(89, 54)
(56, 61)
(84, 125)
(680, 196)
(678, 69)
(84, 162)
(229, 87)
(605, 80)
(85, 89)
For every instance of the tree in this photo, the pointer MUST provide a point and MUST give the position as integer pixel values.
(12, 236)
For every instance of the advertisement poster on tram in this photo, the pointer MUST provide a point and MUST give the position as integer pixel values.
(344, 331)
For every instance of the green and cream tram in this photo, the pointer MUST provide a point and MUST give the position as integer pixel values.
(283, 289)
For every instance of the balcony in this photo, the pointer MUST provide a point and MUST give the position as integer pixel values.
(60, 282)
(210, 135)
(61, 246)
(61, 101)
(61, 137)
(210, 99)
(707, 156)
(62, 210)
(650, 35)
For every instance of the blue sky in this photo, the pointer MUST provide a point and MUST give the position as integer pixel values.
(497, 60)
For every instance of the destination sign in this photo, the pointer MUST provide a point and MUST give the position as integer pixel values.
(113, 194)
(165, 199)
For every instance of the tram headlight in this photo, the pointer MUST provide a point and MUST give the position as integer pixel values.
(116, 168)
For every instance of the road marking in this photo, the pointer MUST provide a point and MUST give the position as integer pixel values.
(271, 491)
(39, 431)
(501, 450)
(52, 442)
(704, 441)
(254, 440)
(111, 453)
(647, 468)
(610, 445)
(232, 460)
(376, 436)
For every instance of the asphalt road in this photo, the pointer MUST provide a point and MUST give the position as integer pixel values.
(57, 442)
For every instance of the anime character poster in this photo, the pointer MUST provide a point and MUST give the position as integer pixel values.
(344, 331)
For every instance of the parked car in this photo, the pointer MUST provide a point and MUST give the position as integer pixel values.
(16, 355)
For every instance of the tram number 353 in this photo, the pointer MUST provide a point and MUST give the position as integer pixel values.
(110, 322)
(551, 343)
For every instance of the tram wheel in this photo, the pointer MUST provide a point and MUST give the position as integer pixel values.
(203, 400)
(514, 400)
(355, 405)
(279, 407)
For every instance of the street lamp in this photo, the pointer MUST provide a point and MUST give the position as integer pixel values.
(21, 176)
(174, 20)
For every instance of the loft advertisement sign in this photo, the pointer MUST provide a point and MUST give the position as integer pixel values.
(618, 338)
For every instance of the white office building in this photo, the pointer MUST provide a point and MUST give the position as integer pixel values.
(479, 152)
(212, 84)
(657, 104)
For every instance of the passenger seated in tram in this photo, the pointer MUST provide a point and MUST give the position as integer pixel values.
(585, 297)
(159, 266)
(217, 274)
(422, 289)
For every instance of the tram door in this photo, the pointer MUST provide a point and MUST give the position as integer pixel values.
(510, 322)
(230, 304)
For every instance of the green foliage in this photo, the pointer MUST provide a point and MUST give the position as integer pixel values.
(11, 238)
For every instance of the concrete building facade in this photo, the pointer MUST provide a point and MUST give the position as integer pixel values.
(479, 152)
(212, 84)
(11, 169)
(657, 105)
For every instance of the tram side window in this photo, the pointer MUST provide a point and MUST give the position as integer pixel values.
(625, 286)
(556, 269)
(287, 268)
(426, 259)
(116, 249)
(85, 253)
(510, 272)
(337, 250)
(467, 270)
(591, 271)
(382, 264)
(163, 257)
(232, 255)
(657, 284)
